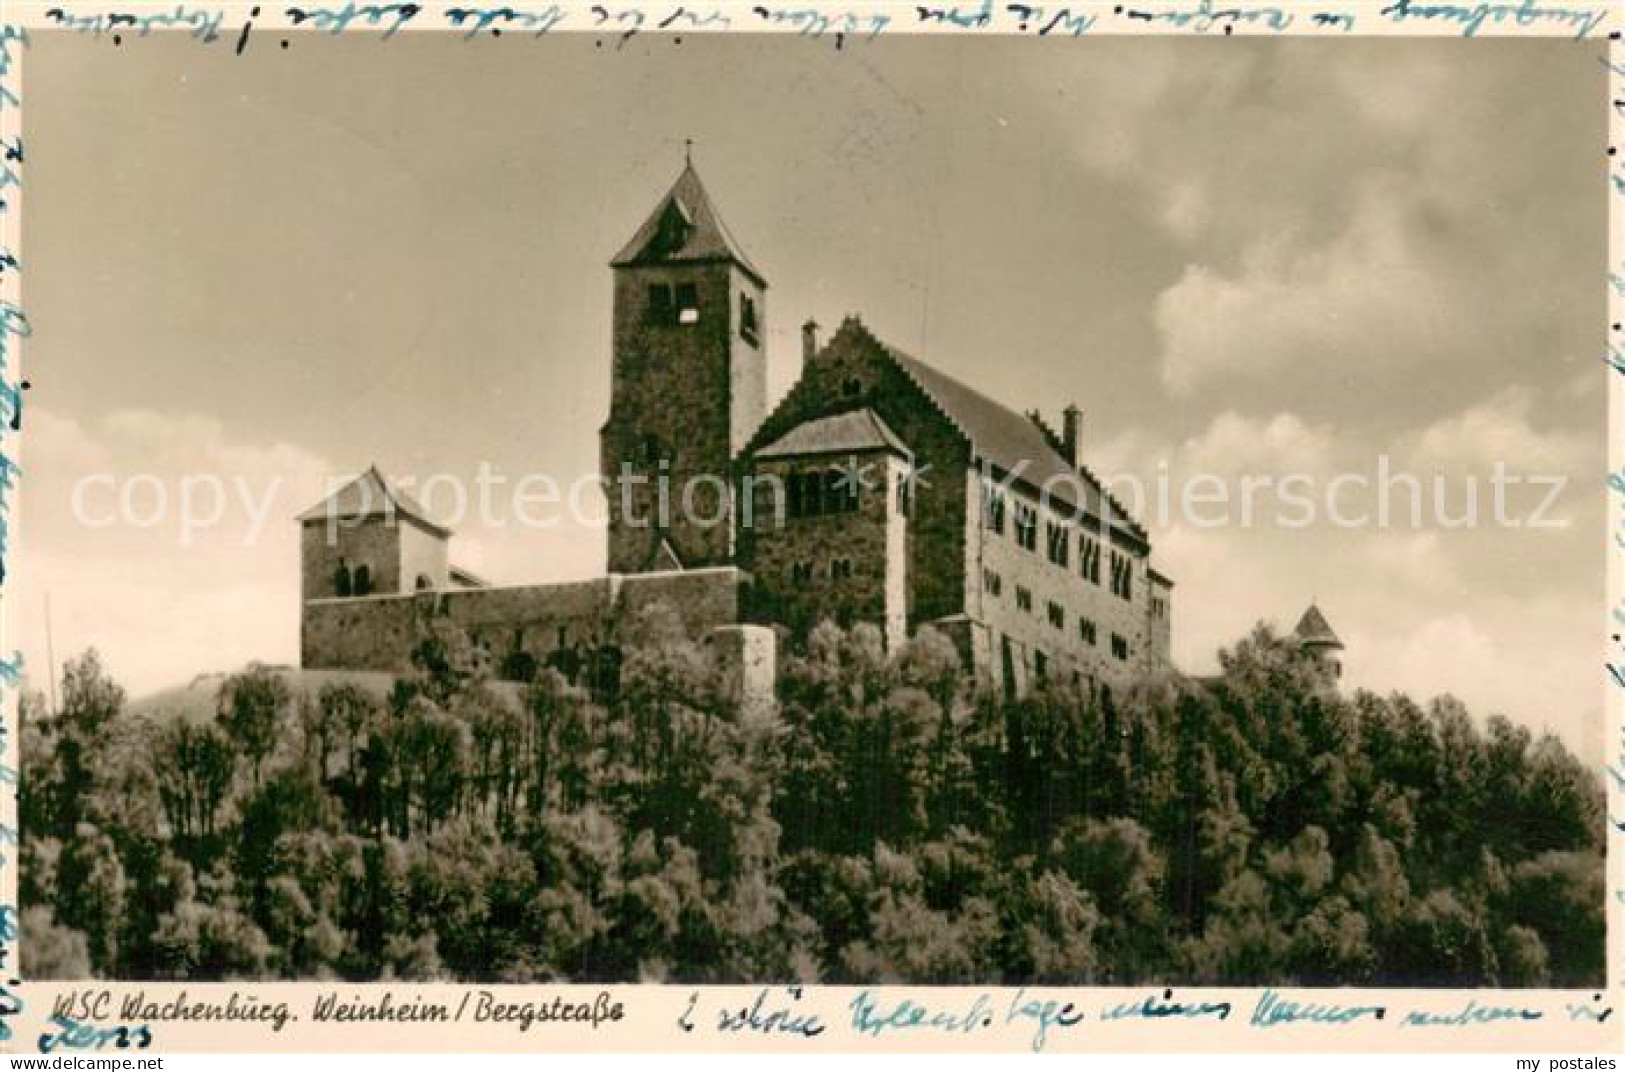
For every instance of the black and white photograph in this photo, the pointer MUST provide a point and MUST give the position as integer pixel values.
(737, 509)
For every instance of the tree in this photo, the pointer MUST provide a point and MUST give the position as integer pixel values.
(193, 765)
(251, 710)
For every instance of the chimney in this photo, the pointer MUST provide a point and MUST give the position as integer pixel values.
(809, 339)
(1072, 435)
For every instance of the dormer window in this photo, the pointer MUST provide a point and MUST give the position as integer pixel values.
(688, 303)
(673, 231)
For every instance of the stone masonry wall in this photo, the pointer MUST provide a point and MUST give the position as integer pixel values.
(378, 632)
(686, 390)
(853, 371)
(870, 539)
(999, 617)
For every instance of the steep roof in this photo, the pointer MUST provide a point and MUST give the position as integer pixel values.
(855, 430)
(684, 228)
(1012, 442)
(1313, 629)
(372, 495)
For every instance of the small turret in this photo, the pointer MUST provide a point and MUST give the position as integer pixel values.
(1314, 635)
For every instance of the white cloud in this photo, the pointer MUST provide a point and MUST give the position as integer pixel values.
(1363, 303)
(1500, 430)
(162, 597)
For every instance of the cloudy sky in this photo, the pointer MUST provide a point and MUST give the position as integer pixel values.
(1241, 258)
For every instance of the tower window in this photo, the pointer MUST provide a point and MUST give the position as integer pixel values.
(840, 569)
(652, 452)
(688, 303)
(658, 310)
(852, 387)
(341, 580)
(800, 572)
(747, 318)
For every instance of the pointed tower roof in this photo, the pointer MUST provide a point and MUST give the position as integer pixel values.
(1314, 630)
(685, 229)
(372, 495)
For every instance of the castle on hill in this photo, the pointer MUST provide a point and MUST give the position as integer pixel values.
(878, 490)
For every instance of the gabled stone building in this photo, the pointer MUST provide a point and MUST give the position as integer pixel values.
(878, 490)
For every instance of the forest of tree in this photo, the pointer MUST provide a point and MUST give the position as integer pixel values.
(890, 824)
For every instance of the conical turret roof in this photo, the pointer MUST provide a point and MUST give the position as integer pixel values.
(1313, 629)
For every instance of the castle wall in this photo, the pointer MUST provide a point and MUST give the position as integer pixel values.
(378, 632)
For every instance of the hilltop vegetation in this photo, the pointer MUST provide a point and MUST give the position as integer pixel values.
(891, 824)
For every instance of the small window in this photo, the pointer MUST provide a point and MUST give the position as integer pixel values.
(1057, 614)
(1086, 631)
(747, 318)
(362, 585)
(1119, 647)
(424, 583)
(840, 569)
(688, 303)
(801, 572)
(658, 310)
(1026, 527)
(852, 387)
(1040, 665)
(992, 583)
(341, 580)
(994, 516)
(1024, 598)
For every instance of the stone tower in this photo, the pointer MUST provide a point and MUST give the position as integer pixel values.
(688, 385)
(1314, 635)
(370, 538)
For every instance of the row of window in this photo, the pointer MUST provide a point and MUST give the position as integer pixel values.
(356, 582)
(814, 494)
(993, 585)
(840, 569)
(680, 304)
(1058, 544)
